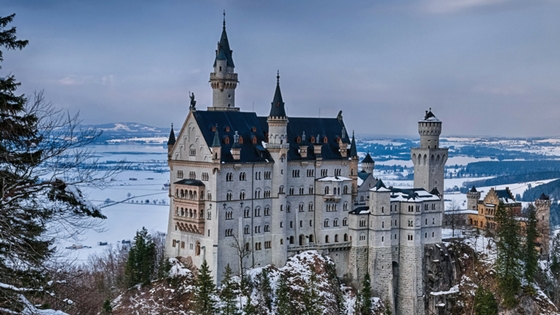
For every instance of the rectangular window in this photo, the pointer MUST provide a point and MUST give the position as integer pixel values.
(324, 173)
(179, 174)
(267, 244)
(204, 176)
(192, 175)
(310, 173)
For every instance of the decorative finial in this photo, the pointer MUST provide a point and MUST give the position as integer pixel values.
(277, 76)
(171, 125)
(224, 19)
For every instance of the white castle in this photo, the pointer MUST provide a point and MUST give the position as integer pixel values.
(250, 191)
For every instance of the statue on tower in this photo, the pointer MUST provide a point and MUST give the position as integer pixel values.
(193, 102)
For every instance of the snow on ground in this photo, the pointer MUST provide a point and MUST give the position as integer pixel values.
(131, 200)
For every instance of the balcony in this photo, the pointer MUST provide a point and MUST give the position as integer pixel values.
(320, 247)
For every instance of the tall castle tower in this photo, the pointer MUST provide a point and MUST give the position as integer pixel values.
(223, 80)
(543, 223)
(278, 147)
(429, 159)
(473, 196)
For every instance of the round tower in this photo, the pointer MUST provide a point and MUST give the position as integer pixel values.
(429, 159)
(543, 223)
(223, 80)
(368, 164)
(472, 199)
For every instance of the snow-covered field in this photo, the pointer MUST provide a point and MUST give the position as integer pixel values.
(137, 199)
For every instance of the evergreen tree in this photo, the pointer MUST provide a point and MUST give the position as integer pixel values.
(311, 298)
(227, 293)
(484, 302)
(366, 306)
(32, 134)
(283, 304)
(265, 289)
(249, 308)
(508, 266)
(531, 254)
(107, 308)
(141, 259)
(205, 302)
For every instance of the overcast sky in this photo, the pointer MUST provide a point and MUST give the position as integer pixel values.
(485, 67)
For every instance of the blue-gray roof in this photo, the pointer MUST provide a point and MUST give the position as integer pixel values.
(224, 52)
(277, 106)
(367, 159)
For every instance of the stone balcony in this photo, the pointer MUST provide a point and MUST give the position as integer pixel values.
(320, 247)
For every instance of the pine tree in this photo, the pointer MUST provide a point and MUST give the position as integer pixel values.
(141, 261)
(265, 289)
(32, 134)
(508, 266)
(283, 304)
(484, 302)
(366, 306)
(531, 254)
(204, 299)
(311, 298)
(227, 293)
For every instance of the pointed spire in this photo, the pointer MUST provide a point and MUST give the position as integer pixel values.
(224, 52)
(171, 140)
(277, 109)
(367, 159)
(353, 149)
(216, 141)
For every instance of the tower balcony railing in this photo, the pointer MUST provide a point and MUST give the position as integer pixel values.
(313, 246)
(223, 76)
(331, 197)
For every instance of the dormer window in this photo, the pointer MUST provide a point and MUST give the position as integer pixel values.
(254, 129)
(226, 128)
(213, 128)
(240, 140)
(298, 139)
(325, 140)
(254, 140)
(226, 140)
(312, 140)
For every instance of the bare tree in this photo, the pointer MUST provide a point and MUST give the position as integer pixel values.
(452, 217)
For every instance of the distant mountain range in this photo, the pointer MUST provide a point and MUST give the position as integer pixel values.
(129, 132)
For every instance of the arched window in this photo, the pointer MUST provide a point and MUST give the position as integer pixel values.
(346, 237)
(247, 229)
(336, 238)
(327, 190)
(345, 222)
(326, 224)
(345, 190)
(335, 222)
(197, 250)
(326, 238)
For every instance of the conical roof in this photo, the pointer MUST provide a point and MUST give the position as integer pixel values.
(224, 52)
(171, 140)
(367, 159)
(277, 106)
(216, 140)
(353, 149)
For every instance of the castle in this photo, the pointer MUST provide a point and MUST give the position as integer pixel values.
(485, 210)
(250, 191)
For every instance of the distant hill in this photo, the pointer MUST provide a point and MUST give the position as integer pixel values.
(129, 132)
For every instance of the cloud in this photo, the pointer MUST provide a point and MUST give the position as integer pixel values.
(72, 80)
(452, 6)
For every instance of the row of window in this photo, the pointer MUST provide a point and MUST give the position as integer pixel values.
(336, 190)
(243, 176)
(192, 175)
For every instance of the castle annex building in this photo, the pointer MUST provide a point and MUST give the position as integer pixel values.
(249, 191)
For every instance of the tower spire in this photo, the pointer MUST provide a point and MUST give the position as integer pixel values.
(224, 23)
(353, 149)
(277, 109)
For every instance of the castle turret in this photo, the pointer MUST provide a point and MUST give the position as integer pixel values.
(368, 164)
(171, 140)
(543, 223)
(473, 196)
(216, 148)
(278, 147)
(354, 167)
(223, 80)
(429, 159)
